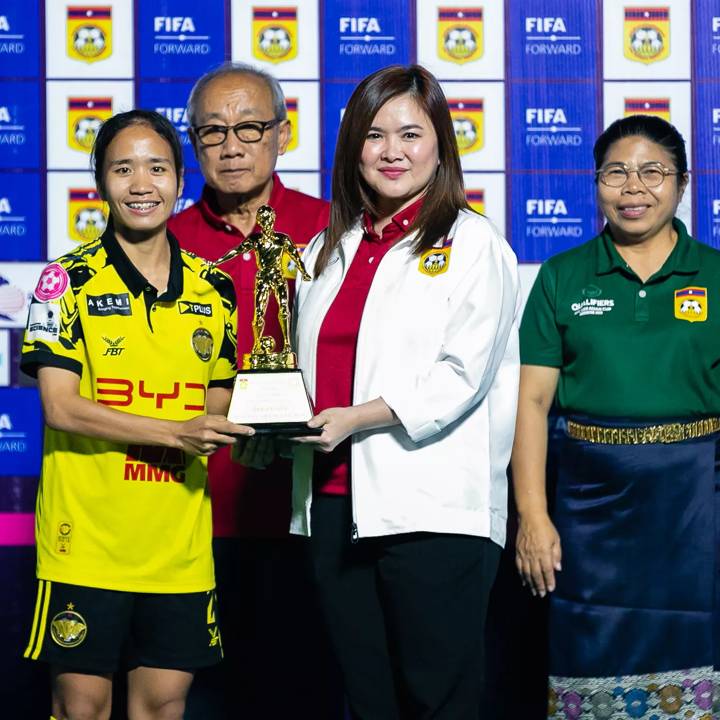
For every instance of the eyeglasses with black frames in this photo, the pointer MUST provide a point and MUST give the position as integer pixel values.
(651, 174)
(247, 132)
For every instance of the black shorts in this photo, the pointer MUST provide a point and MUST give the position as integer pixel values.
(100, 631)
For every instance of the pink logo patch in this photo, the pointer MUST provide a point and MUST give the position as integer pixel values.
(53, 283)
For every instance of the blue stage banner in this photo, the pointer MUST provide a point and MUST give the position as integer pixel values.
(706, 40)
(20, 218)
(192, 190)
(21, 433)
(706, 126)
(364, 36)
(20, 124)
(335, 97)
(553, 39)
(553, 125)
(183, 44)
(707, 206)
(20, 39)
(551, 213)
(170, 99)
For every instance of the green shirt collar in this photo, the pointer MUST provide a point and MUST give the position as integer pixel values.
(685, 257)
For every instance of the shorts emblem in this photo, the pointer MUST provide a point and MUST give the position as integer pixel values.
(68, 628)
(202, 344)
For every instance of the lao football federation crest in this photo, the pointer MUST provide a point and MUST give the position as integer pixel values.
(292, 115)
(89, 33)
(436, 260)
(467, 117)
(87, 214)
(275, 33)
(68, 628)
(476, 200)
(85, 116)
(647, 33)
(460, 34)
(660, 107)
(691, 304)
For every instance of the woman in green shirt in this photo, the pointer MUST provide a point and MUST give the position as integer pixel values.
(622, 336)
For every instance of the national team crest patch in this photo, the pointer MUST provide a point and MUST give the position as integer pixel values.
(68, 628)
(202, 344)
(691, 304)
(646, 34)
(275, 33)
(89, 32)
(85, 116)
(292, 115)
(53, 283)
(476, 200)
(659, 107)
(436, 260)
(87, 214)
(467, 117)
(460, 34)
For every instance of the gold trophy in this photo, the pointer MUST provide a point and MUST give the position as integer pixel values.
(269, 391)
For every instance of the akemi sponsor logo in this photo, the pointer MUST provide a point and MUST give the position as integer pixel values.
(11, 43)
(592, 306)
(549, 218)
(109, 304)
(12, 132)
(547, 126)
(178, 35)
(364, 36)
(11, 224)
(550, 36)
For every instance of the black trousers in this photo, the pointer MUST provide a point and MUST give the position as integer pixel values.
(405, 615)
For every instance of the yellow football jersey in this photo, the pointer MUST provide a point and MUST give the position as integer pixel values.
(132, 518)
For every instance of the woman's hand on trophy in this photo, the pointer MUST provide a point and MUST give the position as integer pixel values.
(337, 423)
(254, 452)
(204, 434)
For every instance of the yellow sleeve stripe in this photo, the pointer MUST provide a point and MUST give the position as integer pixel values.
(37, 633)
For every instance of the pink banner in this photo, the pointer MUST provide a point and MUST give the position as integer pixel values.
(17, 529)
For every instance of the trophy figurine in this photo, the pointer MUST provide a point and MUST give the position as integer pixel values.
(269, 391)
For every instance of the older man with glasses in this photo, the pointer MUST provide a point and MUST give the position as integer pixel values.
(239, 128)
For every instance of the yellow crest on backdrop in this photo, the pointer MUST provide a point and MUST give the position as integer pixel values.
(460, 34)
(660, 107)
(85, 116)
(292, 115)
(275, 33)
(646, 33)
(468, 122)
(87, 214)
(89, 32)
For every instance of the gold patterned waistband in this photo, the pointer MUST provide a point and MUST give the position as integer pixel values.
(667, 433)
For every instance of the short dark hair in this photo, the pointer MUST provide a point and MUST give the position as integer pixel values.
(650, 127)
(350, 194)
(114, 125)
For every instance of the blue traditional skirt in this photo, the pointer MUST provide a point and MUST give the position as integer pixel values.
(634, 617)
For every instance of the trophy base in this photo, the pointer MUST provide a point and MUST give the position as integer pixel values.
(273, 402)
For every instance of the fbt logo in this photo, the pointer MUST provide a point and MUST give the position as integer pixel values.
(549, 126)
(177, 35)
(362, 36)
(549, 217)
(549, 35)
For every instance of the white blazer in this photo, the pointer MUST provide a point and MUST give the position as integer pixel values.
(442, 350)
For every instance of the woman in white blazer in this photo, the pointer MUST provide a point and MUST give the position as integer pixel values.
(407, 338)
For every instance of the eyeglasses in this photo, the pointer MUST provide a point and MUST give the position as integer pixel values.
(651, 175)
(247, 132)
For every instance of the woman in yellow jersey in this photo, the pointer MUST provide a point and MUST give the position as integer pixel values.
(622, 334)
(133, 344)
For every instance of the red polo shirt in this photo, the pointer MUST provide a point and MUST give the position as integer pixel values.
(246, 502)
(337, 342)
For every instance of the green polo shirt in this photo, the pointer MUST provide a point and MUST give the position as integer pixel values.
(627, 348)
